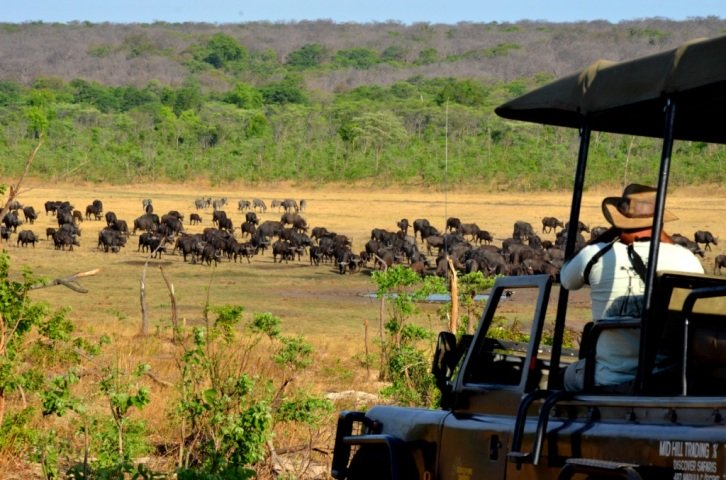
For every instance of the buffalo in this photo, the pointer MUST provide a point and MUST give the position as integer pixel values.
(471, 229)
(110, 218)
(596, 232)
(30, 215)
(194, 218)
(403, 225)
(251, 217)
(419, 224)
(189, 245)
(148, 222)
(581, 227)
(12, 221)
(685, 242)
(25, 237)
(284, 249)
(93, 211)
(550, 224)
(522, 230)
(720, 262)
(210, 254)
(452, 224)
(704, 236)
(63, 239)
(111, 240)
(484, 236)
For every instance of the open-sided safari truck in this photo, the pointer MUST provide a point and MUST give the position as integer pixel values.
(502, 414)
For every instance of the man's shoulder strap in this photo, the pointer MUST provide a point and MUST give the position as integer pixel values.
(637, 262)
(595, 258)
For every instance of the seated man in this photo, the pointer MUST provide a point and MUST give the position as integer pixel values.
(614, 266)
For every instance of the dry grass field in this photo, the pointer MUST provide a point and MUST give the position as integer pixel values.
(312, 301)
(329, 309)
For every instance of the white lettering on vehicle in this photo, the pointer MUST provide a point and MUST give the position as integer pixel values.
(692, 460)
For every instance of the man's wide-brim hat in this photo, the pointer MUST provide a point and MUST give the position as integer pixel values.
(634, 209)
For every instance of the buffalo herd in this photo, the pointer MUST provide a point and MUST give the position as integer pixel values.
(463, 245)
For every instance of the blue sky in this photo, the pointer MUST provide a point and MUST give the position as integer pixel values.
(405, 11)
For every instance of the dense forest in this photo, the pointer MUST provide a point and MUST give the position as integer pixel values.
(316, 102)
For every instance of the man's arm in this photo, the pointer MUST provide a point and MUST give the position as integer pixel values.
(572, 274)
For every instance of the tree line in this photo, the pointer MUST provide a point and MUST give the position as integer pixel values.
(417, 132)
(265, 120)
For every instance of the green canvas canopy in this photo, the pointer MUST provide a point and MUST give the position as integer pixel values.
(629, 97)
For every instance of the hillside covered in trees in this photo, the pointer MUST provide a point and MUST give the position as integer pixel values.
(315, 101)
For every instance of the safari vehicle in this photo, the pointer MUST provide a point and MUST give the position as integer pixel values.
(502, 414)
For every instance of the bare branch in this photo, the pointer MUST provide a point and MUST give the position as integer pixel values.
(70, 281)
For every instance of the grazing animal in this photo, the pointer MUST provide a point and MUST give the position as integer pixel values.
(244, 205)
(419, 224)
(4, 233)
(258, 204)
(30, 215)
(484, 236)
(522, 230)
(225, 223)
(704, 236)
(403, 225)
(25, 237)
(219, 203)
(688, 243)
(111, 240)
(12, 221)
(93, 211)
(194, 218)
(471, 229)
(210, 254)
(720, 262)
(63, 239)
(51, 206)
(284, 249)
(550, 224)
(289, 205)
(452, 224)
(148, 222)
(581, 227)
(110, 218)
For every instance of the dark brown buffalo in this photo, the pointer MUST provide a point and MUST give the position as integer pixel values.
(704, 236)
(550, 224)
(25, 237)
(720, 262)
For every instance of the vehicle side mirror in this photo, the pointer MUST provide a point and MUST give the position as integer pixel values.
(445, 347)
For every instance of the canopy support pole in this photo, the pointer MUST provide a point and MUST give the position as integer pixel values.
(646, 359)
(572, 234)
